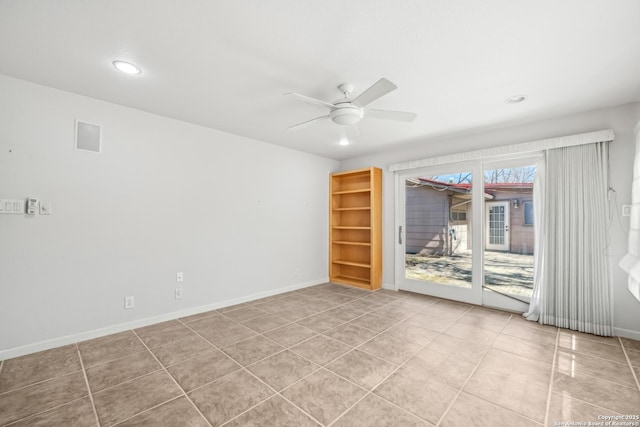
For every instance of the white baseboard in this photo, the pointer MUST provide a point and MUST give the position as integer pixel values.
(389, 286)
(121, 327)
(627, 333)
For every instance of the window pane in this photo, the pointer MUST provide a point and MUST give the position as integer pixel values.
(509, 241)
(528, 213)
(438, 229)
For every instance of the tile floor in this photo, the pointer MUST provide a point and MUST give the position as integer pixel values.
(333, 356)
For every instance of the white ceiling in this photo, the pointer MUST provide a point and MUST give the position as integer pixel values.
(226, 64)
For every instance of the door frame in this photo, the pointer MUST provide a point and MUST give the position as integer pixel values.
(473, 295)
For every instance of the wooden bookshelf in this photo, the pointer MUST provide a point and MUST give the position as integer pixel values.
(355, 234)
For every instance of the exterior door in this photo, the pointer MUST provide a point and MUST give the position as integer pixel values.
(497, 228)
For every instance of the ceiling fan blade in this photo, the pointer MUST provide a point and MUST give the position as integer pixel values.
(400, 116)
(307, 123)
(311, 100)
(375, 91)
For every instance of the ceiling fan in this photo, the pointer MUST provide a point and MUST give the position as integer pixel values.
(346, 112)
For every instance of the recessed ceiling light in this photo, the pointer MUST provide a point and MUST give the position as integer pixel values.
(343, 142)
(515, 99)
(127, 67)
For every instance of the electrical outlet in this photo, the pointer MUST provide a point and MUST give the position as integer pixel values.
(179, 277)
(128, 303)
(179, 293)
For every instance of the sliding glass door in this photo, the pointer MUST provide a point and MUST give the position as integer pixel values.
(436, 232)
(465, 232)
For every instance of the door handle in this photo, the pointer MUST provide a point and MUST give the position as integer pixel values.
(400, 235)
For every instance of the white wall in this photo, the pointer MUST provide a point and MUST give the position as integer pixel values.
(621, 119)
(239, 217)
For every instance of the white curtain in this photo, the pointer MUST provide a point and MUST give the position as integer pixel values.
(539, 190)
(631, 261)
(571, 286)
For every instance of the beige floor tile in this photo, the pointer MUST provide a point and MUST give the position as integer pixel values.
(290, 335)
(580, 335)
(128, 399)
(163, 333)
(471, 333)
(373, 322)
(511, 391)
(339, 298)
(442, 367)
(320, 305)
(433, 322)
(37, 367)
(229, 396)
(592, 348)
(374, 411)
(533, 371)
(324, 395)
(468, 410)
(121, 370)
(525, 348)
(177, 351)
(265, 323)
(578, 364)
(350, 334)
(178, 412)
(252, 349)
(395, 312)
(483, 320)
(39, 397)
(391, 348)
(276, 305)
(361, 368)
(210, 323)
(630, 344)
(619, 398)
(105, 349)
(530, 331)
(274, 412)
(226, 336)
(202, 369)
(282, 369)
(321, 349)
(448, 309)
(634, 358)
(296, 313)
(458, 348)
(363, 304)
(412, 333)
(563, 408)
(379, 298)
(320, 322)
(345, 314)
(78, 413)
(425, 397)
(245, 313)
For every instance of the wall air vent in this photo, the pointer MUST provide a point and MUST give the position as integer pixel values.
(88, 137)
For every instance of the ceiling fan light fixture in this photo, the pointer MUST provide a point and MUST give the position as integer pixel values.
(126, 67)
(347, 115)
(516, 99)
